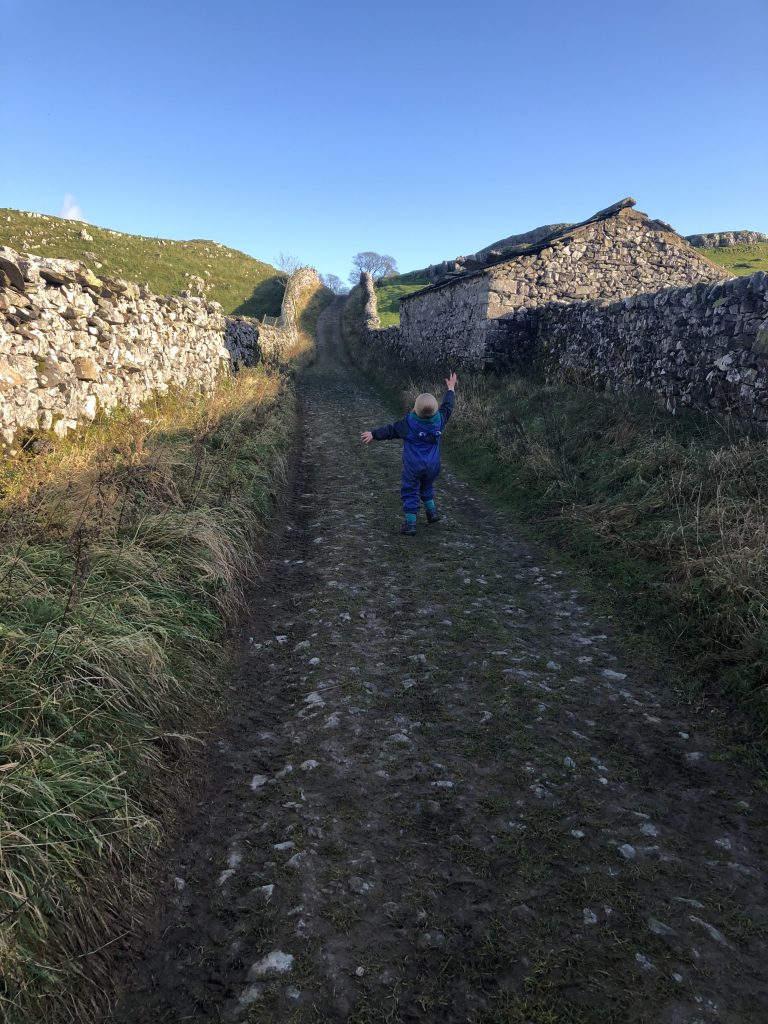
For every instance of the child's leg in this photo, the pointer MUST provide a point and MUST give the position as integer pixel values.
(427, 490)
(409, 492)
(427, 493)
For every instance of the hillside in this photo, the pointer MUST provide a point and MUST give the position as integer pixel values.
(739, 259)
(390, 290)
(240, 283)
(526, 238)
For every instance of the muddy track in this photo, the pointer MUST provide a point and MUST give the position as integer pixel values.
(445, 792)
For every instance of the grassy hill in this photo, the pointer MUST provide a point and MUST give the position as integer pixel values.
(391, 290)
(739, 259)
(240, 283)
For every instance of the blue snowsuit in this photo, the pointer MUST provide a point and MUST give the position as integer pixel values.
(421, 451)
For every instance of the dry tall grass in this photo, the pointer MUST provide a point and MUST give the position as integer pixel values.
(123, 554)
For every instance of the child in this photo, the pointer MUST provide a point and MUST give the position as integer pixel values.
(421, 430)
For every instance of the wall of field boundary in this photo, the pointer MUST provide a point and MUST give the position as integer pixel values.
(72, 343)
(704, 346)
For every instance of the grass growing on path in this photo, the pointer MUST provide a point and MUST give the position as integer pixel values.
(667, 516)
(123, 554)
(240, 283)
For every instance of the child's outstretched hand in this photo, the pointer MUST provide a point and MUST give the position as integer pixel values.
(366, 437)
(451, 381)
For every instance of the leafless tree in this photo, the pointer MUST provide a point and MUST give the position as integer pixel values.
(335, 284)
(288, 263)
(375, 263)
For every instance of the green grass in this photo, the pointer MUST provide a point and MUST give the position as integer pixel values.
(242, 285)
(739, 259)
(391, 290)
(123, 554)
(665, 518)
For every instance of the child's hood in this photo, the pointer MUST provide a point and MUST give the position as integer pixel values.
(430, 421)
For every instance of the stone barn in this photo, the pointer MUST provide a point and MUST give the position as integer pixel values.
(475, 318)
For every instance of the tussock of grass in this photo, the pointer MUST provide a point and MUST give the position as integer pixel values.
(668, 515)
(123, 554)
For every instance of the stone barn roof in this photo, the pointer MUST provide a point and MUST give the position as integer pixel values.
(561, 236)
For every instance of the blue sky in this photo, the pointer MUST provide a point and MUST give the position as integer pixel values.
(422, 130)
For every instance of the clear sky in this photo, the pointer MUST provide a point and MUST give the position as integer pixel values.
(424, 129)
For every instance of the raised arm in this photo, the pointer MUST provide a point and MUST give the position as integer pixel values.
(446, 407)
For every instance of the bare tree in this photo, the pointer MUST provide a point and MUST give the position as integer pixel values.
(335, 284)
(289, 264)
(375, 263)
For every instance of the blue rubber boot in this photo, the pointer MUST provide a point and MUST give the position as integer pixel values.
(409, 526)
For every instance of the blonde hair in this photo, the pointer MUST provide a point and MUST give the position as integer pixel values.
(425, 405)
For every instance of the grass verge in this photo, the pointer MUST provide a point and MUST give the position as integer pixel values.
(123, 555)
(666, 517)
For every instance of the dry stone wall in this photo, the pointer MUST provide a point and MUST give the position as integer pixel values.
(278, 340)
(448, 322)
(242, 340)
(608, 258)
(72, 344)
(705, 346)
(383, 340)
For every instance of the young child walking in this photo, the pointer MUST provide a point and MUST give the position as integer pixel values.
(421, 431)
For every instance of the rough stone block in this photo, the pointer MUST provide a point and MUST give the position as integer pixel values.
(85, 368)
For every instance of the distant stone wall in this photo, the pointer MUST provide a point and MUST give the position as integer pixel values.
(72, 344)
(705, 346)
(607, 259)
(370, 301)
(278, 340)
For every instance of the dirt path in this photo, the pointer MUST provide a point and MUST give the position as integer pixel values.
(444, 792)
